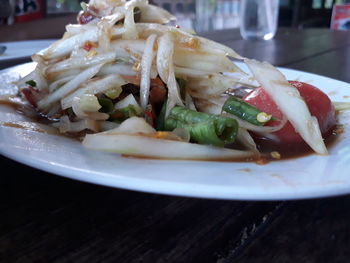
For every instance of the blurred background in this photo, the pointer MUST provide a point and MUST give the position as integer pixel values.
(207, 15)
(200, 15)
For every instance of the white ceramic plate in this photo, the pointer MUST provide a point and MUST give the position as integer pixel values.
(306, 177)
(23, 49)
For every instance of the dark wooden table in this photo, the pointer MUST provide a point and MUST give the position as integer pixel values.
(47, 218)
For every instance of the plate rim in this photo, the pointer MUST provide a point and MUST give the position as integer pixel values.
(4, 59)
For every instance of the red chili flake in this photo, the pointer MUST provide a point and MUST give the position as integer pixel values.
(33, 89)
(262, 161)
(149, 115)
(28, 94)
(85, 17)
(88, 46)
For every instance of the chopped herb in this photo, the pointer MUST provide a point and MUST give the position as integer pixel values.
(182, 87)
(113, 93)
(123, 113)
(31, 83)
(107, 105)
(125, 60)
(137, 14)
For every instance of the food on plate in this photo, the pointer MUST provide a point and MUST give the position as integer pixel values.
(318, 104)
(136, 86)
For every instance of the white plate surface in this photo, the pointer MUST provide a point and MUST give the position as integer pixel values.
(23, 49)
(307, 177)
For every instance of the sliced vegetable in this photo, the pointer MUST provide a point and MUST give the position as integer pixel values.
(204, 128)
(81, 62)
(87, 107)
(213, 63)
(182, 87)
(146, 64)
(95, 86)
(129, 21)
(129, 100)
(317, 102)
(85, 17)
(106, 105)
(140, 145)
(160, 120)
(341, 106)
(122, 114)
(29, 96)
(137, 14)
(291, 104)
(154, 14)
(89, 103)
(113, 93)
(108, 125)
(121, 69)
(65, 45)
(165, 67)
(69, 87)
(31, 83)
(133, 125)
(245, 111)
(149, 115)
(59, 83)
(247, 140)
(65, 125)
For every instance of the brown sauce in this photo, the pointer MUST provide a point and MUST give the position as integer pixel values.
(30, 126)
(22, 107)
(224, 160)
(293, 150)
(36, 122)
(14, 103)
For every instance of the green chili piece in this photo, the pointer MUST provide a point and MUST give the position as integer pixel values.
(244, 111)
(123, 113)
(137, 14)
(70, 113)
(160, 120)
(107, 105)
(113, 93)
(182, 87)
(31, 83)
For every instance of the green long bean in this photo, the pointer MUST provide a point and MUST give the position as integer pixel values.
(204, 128)
(245, 111)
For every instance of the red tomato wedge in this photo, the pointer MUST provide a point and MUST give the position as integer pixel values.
(318, 103)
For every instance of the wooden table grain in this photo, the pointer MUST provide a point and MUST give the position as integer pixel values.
(47, 218)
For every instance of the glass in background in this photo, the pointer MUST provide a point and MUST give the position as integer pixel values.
(7, 12)
(203, 15)
(317, 4)
(184, 10)
(226, 14)
(259, 19)
(204, 11)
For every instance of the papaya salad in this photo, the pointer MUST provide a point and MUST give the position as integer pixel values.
(128, 82)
